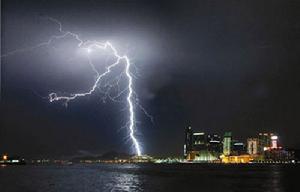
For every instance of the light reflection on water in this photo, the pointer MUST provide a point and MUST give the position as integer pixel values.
(124, 182)
(275, 179)
(130, 177)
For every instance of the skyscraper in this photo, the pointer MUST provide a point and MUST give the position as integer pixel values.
(267, 141)
(188, 143)
(214, 143)
(199, 141)
(274, 142)
(227, 143)
(264, 141)
(252, 146)
(238, 148)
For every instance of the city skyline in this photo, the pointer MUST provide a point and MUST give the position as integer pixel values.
(215, 66)
(266, 147)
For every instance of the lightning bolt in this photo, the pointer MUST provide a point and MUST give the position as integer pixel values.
(131, 98)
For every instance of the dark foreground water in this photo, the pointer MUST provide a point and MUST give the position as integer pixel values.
(150, 177)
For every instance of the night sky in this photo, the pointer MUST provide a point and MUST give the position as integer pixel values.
(215, 65)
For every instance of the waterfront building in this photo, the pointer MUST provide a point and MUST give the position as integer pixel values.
(201, 147)
(188, 143)
(274, 142)
(252, 146)
(199, 141)
(238, 148)
(214, 143)
(264, 141)
(202, 156)
(236, 159)
(227, 143)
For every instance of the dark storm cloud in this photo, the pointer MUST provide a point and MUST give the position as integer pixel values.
(211, 64)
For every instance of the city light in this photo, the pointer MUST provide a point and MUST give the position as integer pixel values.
(4, 157)
(274, 137)
(204, 147)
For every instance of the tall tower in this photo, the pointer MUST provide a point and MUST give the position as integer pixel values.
(252, 146)
(274, 142)
(227, 143)
(188, 142)
(267, 141)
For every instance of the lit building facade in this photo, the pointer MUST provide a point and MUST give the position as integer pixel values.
(252, 146)
(199, 141)
(274, 142)
(227, 143)
(264, 142)
(201, 147)
(238, 148)
(214, 143)
(188, 143)
(236, 159)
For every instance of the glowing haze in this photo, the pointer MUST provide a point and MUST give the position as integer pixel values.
(91, 47)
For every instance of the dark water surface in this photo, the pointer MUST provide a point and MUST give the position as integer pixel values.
(150, 177)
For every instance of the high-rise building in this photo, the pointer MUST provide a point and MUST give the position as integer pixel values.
(199, 141)
(252, 146)
(199, 147)
(214, 143)
(264, 140)
(267, 141)
(188, 143)
(274, 142)
(227, 143)
(238, 148)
